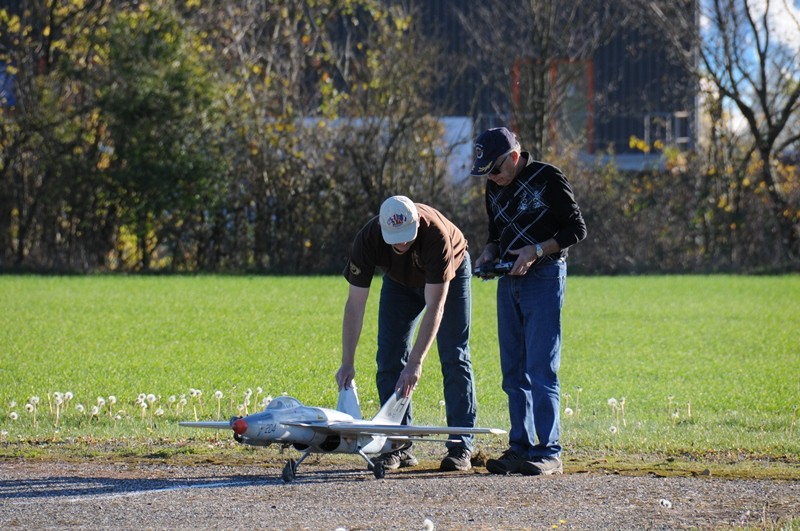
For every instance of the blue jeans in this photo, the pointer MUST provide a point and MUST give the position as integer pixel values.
(529, 326)
(400, 310)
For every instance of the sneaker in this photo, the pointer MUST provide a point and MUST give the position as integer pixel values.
(508, 463)
(396, 459)
(542, 466)
(458, 458)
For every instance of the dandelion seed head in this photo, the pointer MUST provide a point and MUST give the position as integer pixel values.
(172, 399)
(80, 408)
(58, 395)
(68, 395)
(13, 415)
(143, 405)
(159, 412)
(218, 394)
(248, 392)
(613, 429)
(34, 400)
(117, 417)
(182, 402)
(29, 407)
(441, 403)
(12, 404)
(568, 411)
(59, 400)
(112, 399)
(613, 402)
(240, 408)
(151, 398)
(259, 390)
(95, 411)
(101, 401)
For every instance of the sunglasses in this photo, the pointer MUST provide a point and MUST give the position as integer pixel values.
(497, 166)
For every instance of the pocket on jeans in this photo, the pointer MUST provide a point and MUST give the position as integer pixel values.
(551, 271)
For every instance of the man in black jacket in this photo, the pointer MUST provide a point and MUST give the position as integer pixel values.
(533, 219)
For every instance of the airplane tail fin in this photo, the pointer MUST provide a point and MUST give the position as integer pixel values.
(348, 401)
(393, 410)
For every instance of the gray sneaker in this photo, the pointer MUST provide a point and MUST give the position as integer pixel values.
(396, 459)
(508, 463)
(458, 458)
(542, 466)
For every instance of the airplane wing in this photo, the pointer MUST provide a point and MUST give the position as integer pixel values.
(214, 424)
(368, 428)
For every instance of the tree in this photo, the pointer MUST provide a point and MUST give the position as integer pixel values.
(748, 56)
(48, 172)
(158, 102)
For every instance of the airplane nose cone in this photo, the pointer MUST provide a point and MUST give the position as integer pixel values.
(239, 426)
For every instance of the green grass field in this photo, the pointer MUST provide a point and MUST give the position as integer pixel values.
(697, 365)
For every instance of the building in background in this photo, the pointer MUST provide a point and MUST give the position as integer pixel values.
(628, 90)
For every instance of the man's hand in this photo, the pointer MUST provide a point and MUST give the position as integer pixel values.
(526, 256)
(488, 256)
(408, 379)
(345, 375)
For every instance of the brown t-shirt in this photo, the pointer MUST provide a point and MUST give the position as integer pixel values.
(433, 258)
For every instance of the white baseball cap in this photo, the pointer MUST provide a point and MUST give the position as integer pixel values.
(399, 220)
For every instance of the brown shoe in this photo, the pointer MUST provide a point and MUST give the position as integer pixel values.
(457, 458)
(542, 466)
(508, 463)
(396, 459)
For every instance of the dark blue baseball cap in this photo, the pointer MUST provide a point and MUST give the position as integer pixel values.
(490, 146)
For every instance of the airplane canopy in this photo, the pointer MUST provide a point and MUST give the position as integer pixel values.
(283, 402)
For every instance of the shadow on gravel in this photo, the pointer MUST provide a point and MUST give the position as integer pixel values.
(64, 487)
(75, 487)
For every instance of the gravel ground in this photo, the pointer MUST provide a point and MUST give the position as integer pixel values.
(94, 495)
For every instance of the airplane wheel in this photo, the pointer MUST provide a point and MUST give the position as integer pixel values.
(379, 470)
(289, 471)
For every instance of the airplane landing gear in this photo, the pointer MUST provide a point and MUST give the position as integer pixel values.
(289, 471)
(379, 470)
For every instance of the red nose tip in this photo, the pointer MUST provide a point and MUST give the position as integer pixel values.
(239, 426)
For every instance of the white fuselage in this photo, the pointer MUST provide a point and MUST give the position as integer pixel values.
(281, 425)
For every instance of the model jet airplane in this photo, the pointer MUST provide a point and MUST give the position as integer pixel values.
(287, 422)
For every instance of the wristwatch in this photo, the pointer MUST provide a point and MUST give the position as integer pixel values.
(539, 251)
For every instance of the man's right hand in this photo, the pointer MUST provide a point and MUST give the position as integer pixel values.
(488, 256)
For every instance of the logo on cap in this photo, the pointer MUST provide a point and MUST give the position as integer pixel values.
(395, 220)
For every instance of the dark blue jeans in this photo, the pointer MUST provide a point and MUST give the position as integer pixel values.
(400, 310)
(529, 326)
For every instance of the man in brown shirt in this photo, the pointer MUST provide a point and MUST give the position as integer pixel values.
(426, 268)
